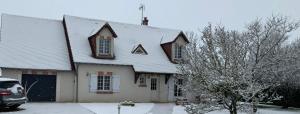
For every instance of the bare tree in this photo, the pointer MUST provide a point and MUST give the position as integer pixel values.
(224, 67)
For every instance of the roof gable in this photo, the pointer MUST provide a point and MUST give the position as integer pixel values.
(106, 25)
(183, 36)
(139, 50)
(174, 38)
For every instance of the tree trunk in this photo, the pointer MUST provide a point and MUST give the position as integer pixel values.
(233, 109)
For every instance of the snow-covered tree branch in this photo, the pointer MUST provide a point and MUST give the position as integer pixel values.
(225, 67)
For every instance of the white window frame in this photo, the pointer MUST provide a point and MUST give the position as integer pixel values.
(101, 84)
(104, 46)
(178, 51)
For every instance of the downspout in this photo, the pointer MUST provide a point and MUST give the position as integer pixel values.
(76, 83)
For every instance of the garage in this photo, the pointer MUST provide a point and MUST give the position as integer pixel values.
(40, 88)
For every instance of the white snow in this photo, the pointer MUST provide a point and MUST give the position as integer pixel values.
(14, 89)
(112, 108)
(129, 35)
(165, 108)
(33, 43)
(49, 108)
(7, 79)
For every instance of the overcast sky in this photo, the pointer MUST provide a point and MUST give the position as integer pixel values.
(187, 15)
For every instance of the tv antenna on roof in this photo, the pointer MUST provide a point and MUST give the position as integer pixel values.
(142, 8)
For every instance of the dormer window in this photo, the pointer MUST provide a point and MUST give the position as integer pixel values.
(174, 49)
(104, 46)
(102, 42)
(178, 51)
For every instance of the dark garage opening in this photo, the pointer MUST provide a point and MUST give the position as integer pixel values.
(43, 87)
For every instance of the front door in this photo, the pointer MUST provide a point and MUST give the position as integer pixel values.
(154, 86)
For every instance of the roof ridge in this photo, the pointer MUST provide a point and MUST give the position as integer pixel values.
(22, 16)
(136, 25)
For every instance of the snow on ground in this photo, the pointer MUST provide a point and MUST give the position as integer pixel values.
(112, 108)
(139, 108)
(48, 108)
(166, 108)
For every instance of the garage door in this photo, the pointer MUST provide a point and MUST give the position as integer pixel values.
(42, 87)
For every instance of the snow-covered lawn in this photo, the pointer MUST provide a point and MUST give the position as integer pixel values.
(112, 108)
(166, 108)
(139, 108)
(48, 108)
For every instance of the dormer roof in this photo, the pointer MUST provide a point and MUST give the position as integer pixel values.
(172, 37)
(106, 25)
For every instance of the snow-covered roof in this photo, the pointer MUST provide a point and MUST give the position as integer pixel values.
(129, 35)
(7, 79)
(33, 43)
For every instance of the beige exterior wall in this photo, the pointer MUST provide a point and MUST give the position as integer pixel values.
(128, 89)
(64, 83)
(65, 86)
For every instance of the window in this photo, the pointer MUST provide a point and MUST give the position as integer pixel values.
(178, 88)
(104, 46)
(153, 84)
(104, 83)
(139, 50)
(143, 80)
(178, 51)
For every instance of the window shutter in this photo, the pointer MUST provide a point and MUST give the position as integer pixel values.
(93, 83)
(116, 83)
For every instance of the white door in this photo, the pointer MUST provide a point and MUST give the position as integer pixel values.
(154, 87)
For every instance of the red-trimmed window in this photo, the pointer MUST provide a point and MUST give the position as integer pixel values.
(104, 83)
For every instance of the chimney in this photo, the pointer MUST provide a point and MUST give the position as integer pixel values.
(145, 21)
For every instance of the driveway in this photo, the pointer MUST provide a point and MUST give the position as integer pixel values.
(48, 108)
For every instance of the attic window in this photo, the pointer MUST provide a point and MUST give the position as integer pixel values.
(104, 46)
(178, 51)
(139, 50)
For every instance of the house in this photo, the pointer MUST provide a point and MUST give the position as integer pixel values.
(88, 60)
